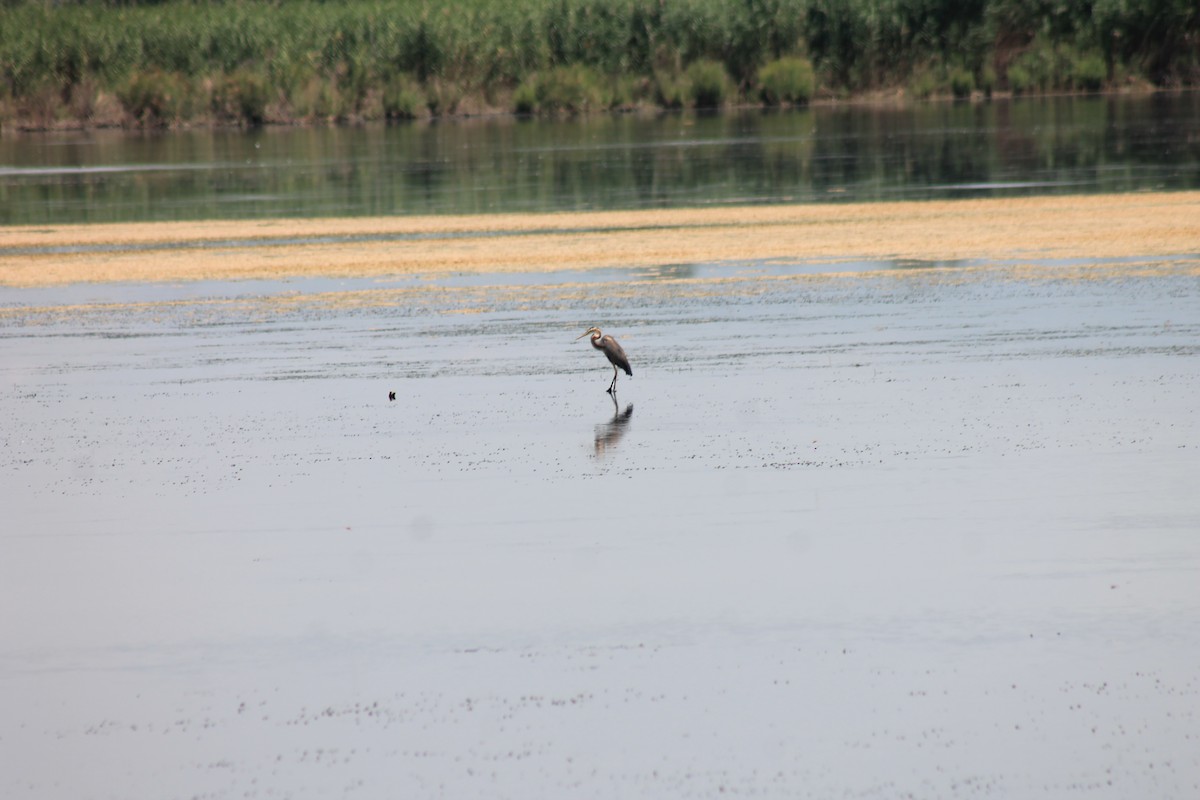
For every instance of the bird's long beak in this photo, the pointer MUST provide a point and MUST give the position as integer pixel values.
(580, 336)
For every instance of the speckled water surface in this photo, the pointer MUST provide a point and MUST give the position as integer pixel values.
(850, 530)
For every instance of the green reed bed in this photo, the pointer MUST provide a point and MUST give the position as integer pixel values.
(176, 61)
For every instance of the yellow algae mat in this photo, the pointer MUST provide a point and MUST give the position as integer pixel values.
(1035, 228)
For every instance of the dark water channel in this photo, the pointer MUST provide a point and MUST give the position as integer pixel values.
(823, 154)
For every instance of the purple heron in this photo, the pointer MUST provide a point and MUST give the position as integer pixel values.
(616, 356)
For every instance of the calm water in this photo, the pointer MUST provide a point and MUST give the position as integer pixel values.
(1034, 146)
(920, 532)
(912, 532)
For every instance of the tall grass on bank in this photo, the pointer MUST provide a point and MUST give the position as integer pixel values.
(164, 62)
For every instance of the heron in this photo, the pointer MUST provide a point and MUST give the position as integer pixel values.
(616, 356)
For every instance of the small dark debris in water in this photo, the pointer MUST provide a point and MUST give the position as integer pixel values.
(391, 395)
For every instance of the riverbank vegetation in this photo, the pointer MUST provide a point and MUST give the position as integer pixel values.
(179, 62)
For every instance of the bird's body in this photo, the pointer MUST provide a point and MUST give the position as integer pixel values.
(613, 351)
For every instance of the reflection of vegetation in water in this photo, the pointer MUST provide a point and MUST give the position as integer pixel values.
(157, 62)
(609, 162)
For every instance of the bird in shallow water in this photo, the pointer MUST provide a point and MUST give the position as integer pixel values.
(616, 356)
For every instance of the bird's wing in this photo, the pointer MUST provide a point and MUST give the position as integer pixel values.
(616, 354)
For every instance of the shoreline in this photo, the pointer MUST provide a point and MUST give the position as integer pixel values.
(893, 97)
(1031, 228)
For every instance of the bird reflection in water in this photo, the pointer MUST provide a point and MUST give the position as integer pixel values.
(609, 433)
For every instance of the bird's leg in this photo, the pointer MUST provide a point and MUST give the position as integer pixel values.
(612, 387)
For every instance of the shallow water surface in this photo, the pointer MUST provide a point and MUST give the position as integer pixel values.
(924, 529)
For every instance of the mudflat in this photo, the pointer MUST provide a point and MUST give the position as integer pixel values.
(1071, 227)
(899, 501)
